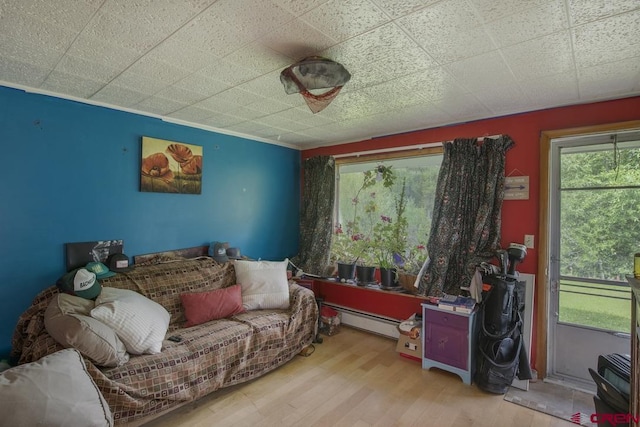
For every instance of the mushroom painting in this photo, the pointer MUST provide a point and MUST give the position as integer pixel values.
(170, 167)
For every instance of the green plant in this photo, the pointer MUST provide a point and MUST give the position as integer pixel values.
(354, 241)
(389, 236)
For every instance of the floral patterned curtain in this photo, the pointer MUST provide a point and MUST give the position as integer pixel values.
(466, 223)
(316, 218)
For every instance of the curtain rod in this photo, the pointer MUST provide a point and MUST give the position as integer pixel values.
(404, 148)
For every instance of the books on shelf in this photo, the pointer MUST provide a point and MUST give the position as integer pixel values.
(457, 303)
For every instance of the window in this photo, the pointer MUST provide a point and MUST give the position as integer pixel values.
(366, 202)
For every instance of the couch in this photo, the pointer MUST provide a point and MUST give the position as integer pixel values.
(209, 356)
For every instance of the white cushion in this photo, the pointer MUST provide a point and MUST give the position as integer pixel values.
(264, 284)
(56, 390)
(140, 323)
(67, 321)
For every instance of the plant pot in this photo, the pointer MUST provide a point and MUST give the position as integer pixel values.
(388, 277)
(365, 274)
(346, 271)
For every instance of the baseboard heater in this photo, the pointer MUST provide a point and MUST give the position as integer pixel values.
(369, 322)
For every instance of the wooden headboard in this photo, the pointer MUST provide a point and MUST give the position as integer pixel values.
(155, 257)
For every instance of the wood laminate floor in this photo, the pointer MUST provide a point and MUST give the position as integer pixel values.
(355, 379)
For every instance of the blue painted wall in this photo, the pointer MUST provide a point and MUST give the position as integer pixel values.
(69, 172)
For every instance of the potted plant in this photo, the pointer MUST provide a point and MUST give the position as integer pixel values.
(409, 267)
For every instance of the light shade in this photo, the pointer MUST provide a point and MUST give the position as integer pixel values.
(314, 73)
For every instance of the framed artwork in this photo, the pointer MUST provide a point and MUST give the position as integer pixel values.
(170, 167)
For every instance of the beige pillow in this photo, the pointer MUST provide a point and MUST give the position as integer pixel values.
(56, 390)
(67, 320)
(139, 322)
(264, 284)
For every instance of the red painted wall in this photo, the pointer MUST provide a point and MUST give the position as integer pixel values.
(519, 217)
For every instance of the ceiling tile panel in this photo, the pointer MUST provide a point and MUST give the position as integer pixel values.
(528, 23)
(299, 7)
(22, 73)
(607, 40)
(583, 11)
(543, 56)
(414, 63)
(482, 71)
(449, 31)
(123, 33)
(559, 89)
(397, 8)
(70, 84)
(342, 20)
(297, 40)
(118, 95)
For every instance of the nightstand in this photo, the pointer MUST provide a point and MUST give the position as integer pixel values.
(449, 341)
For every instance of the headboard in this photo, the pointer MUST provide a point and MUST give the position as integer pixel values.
(156, 257)
(80, 253)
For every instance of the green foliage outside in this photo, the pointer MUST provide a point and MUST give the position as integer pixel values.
(364, 211)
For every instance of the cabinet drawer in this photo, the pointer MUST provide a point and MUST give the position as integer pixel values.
(450, 320)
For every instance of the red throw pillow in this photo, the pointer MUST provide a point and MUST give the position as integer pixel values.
(201, 307)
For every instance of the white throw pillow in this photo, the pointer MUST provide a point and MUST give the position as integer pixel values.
(67, 321)
(140, 323)
(264, 284)
(56, 390)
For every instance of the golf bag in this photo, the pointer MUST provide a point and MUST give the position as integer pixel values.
(501, 353)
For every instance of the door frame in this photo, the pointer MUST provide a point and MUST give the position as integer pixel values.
(542, 289)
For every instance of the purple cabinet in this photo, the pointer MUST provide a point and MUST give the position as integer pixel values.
(449, 341)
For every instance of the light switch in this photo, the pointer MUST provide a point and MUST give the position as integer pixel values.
(528, 241)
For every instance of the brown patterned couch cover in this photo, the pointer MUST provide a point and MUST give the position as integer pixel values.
(215, 354)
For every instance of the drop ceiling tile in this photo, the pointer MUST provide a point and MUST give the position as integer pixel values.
(268, 106)
(175, 52)
(228, 73)
(101, 51)
(208, 33)
(246, 113)
(87, 69)
(432, 84)
(297, 40)
(118, 96)
(138, 83)
(493, 10)
(191, 114)
(123, 33)
(298, 7)
(607, 40)
(32, 31)
(158, 70)
(342, 20)
(607, 80)
(281, 121)
(159, 105)
(258, 58)
(582, 11)
(449, 31)
(462, 107)
(559, 89)
(506, 99)
(397, 8)
(25, 51)
(201, 84)
(543, 56)
(70, 84)
(165, 16)
(529, 23)
(180, 95)
(70, 14)
(221, 120)
(22, 73)
(304, 114)
(482, 71)
(251, 18)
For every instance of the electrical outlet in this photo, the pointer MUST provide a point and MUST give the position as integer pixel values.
(528, 241)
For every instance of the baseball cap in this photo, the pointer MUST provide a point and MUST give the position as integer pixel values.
(119, 263)
(81, 283)
(219, 251)
(101, 271)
